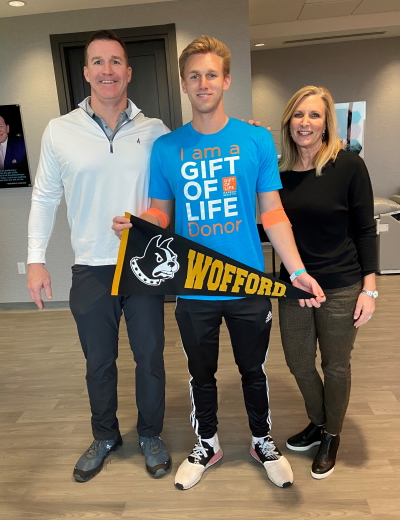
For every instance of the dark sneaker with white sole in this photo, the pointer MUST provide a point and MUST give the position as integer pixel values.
(324, 462)
(306, 439)
(276, 465)
(158, 460)
(202, 457)
(92, 461)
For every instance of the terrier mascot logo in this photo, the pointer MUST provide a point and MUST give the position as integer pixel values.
(158, 263)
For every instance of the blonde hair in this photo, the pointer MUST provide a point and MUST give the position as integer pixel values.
(331, 143)
(203, 45)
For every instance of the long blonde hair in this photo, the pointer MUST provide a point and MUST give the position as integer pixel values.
(331, 143)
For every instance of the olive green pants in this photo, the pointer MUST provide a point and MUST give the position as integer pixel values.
(332, 325)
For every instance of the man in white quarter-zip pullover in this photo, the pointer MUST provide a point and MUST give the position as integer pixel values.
(98, 156)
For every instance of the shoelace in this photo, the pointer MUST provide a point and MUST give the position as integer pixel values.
(154, 444)
(267, 448)
(198, 452)
(93, 449)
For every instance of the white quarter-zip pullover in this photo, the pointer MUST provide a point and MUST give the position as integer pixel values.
(100, 178)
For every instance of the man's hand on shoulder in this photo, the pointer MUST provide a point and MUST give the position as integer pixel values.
(38, 279)
(252, 122)
(255, 123)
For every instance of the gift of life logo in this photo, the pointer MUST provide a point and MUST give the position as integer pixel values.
(202, 187)
(229, 185)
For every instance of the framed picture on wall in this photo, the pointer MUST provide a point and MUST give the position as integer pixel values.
(14, 169)
(351, 125)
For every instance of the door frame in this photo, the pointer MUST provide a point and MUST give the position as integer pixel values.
(60, 42)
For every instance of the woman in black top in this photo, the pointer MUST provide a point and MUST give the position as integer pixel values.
(327, 196)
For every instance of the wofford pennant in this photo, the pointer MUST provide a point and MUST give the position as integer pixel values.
(152, 260)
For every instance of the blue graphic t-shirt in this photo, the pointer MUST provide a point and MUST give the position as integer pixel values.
(214, 179)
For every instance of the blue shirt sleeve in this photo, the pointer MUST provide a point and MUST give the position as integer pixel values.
(268, 177)
(159, 185)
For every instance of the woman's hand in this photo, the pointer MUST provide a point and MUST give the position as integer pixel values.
(119, 224)
(364, 310)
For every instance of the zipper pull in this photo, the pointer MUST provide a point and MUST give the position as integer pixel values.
(111, 147)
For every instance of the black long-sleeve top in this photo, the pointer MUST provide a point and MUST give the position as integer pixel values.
(333, 221)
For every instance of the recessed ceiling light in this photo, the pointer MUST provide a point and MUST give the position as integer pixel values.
(259, 44)
(16, 3)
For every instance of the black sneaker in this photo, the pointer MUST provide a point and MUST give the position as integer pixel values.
(202, 457)
(158, 460)
(324, 462)
(276, 465)
(306, 439)
(92, 461)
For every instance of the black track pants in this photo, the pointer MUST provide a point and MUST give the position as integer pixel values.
(97, 315)
(249, 324)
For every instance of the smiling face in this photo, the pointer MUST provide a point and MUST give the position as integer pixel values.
(308, 123)
(204, 82)
(107, 71)
(4, 130)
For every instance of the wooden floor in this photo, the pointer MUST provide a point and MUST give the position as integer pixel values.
(44, 418)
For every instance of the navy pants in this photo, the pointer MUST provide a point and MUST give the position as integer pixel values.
(97, 315)
(249, 324)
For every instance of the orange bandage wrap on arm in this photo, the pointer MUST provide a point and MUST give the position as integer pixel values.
(276, 216)
(162, 217)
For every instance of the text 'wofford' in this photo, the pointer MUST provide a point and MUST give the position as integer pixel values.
(219, 276)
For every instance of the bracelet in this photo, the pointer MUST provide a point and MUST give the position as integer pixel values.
(294, 275)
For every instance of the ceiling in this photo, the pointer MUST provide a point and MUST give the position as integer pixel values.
(276, 23)
(56, 6)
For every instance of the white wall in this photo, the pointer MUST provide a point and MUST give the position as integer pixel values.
(366, 70)
(27, 78)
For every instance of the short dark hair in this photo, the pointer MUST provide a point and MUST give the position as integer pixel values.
(105, 35)
(5, 118)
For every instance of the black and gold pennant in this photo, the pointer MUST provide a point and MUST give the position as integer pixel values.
(152, 260)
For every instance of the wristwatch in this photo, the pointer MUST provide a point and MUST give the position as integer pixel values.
(373, 294)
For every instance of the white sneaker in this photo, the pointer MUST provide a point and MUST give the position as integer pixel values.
(276, 465)
(202, 457)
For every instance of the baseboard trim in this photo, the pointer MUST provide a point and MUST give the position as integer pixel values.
(49, 306)
(30, 306)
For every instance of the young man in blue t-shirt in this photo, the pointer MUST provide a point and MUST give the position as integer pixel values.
(212, 169)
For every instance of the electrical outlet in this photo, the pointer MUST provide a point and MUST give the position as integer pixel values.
(21, 268)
